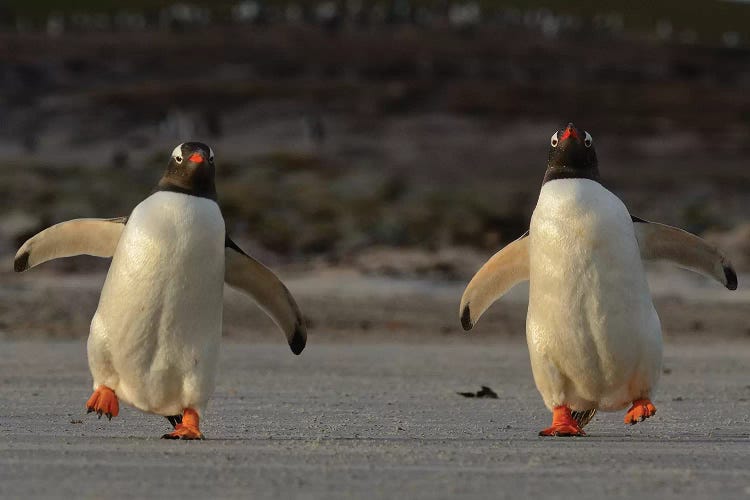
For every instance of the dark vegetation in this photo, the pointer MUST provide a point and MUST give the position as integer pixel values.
(421, 130)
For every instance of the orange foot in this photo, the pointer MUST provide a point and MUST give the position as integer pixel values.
(640, 411)
(188, 429)
(103, 401)
(563, 424)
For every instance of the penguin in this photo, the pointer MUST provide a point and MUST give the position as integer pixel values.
(593, 334)
(154, 339)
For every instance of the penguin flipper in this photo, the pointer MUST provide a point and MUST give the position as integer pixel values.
(97, 237)
(247, 274)
(659, 241)
(505, 269)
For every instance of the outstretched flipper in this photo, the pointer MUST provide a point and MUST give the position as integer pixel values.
(97, 237)
(659, 241)
(505, 269)
(252, 277)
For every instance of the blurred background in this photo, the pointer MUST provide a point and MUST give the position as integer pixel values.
(375, 153)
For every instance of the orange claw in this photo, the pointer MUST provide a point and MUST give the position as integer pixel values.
(103, 401)
(563, 424)
(640, 411)
(188, 429)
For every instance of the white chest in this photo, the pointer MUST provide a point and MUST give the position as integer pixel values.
(590, 316)
(581, 235)
(155, 336)
(168, 270)
(176, 234)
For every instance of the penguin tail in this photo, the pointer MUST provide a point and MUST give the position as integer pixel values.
(174, 420)
(583, 417)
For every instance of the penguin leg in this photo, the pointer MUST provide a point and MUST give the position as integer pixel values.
(563, 424)
(188, 428)
(103, 401)
(640, 411)
(174, 420)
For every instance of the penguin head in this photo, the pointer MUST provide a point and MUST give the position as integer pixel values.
(191, 171)
(572, 155)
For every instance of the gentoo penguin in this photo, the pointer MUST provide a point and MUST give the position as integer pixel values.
(593, 334)
(154, 339)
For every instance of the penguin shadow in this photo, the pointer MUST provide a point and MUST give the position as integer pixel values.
(528, 436)
(520, 434)
(612, 437)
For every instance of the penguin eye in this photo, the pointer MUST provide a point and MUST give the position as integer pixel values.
(177, 152)
(588, 141)
(553, 141)
(210, 159)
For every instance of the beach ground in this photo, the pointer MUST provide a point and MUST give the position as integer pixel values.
(380, 420)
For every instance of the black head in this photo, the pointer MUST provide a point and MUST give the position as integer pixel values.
(191, 171)
(572, 155)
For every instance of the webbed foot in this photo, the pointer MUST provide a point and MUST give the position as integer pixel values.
(640, 411)
(563, 424)
(104, 402)
(188, 428)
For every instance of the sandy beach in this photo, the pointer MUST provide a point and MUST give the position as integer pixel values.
(379, 420)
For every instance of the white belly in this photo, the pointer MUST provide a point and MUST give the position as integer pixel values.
(155, 335)
(594, 336)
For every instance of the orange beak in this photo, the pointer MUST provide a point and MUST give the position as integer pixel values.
(569, 132)
(196, 158)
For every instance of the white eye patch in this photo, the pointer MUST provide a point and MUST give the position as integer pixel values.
(553, 140)
(588, 141)
(177, 151)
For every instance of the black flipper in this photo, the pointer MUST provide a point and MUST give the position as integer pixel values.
(97, 237)
(661, 242)
(502, 272)
(250, 276)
